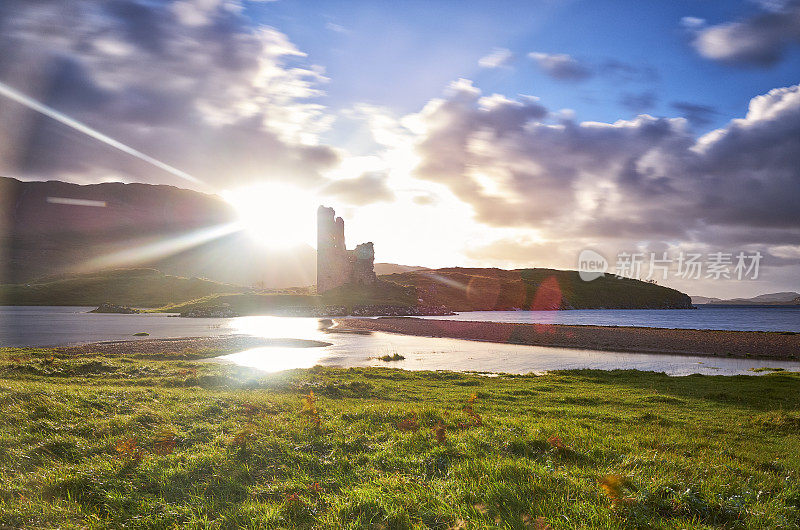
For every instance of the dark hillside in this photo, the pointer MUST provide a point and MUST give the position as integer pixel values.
(130, 287)
(465, 289)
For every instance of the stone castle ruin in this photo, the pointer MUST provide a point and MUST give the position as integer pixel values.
(335, 264)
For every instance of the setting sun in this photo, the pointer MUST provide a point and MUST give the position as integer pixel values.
(276, 215)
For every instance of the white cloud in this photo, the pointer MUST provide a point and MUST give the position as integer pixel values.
(760, 40)
(336, 28)
(645, 179)
(499, 57)
(693, 22)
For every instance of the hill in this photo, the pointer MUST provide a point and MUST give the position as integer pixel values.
(54, 227)
(381, 298)
(474, 289)
(452, 289)
(415, 292)
(130, 287)
(393, 268)
(783, 298)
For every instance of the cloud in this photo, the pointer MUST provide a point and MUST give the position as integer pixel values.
(424, 200)
(336, 28)
(620, 71)
(699, 115)
(499, 57)
(693, 22)
(523, 251)
(639, 102)
(759, 41)
(566, 68)
(367, 189)
(519, 165)
(190, 83)
(561, 66)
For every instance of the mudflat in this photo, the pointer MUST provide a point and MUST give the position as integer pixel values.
(767, 344)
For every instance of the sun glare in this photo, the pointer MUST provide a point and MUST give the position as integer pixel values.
(276, 215)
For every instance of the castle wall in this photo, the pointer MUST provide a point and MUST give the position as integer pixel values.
(336, 265)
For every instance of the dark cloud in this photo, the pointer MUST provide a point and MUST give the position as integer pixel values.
(699, 115)
(562, 66)
(367, 189)
(626, 72)
(638, 102)
(566, 68)
(193, 85)
(642, 179)
(760, 40)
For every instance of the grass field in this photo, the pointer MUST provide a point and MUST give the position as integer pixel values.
(347, 296)
(161, 441)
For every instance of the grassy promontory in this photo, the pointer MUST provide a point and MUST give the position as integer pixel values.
(303, 301)
(484, 289)
(457, 289)
(160, 440)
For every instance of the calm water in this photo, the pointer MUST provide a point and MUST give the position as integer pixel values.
(37, 326)
(730, 318)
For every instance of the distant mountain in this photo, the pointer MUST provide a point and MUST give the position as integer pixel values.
(50, 228)
(773, 297)
(705, 300)
(784, 298)
(392, 268)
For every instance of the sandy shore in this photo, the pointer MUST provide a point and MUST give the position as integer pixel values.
(623, 339)
(185, 345)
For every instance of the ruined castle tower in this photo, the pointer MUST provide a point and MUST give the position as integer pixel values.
(335, 264)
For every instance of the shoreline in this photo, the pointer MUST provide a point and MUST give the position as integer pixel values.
(192, 346)
(783, 346)
(713, 343)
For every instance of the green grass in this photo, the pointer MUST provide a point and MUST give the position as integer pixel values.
(347, 296)
(156, 441)
(388, 358)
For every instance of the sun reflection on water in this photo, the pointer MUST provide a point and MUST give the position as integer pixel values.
(278, 358)
(277, 327)
(269, 359)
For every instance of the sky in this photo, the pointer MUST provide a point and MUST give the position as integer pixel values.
(503, 133)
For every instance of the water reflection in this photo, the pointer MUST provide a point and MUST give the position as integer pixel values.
(34, 326)
(428, 353)
(277, 327)
(276, 359)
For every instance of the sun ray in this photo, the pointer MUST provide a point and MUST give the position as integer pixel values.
(50, 112)
(159, 249)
